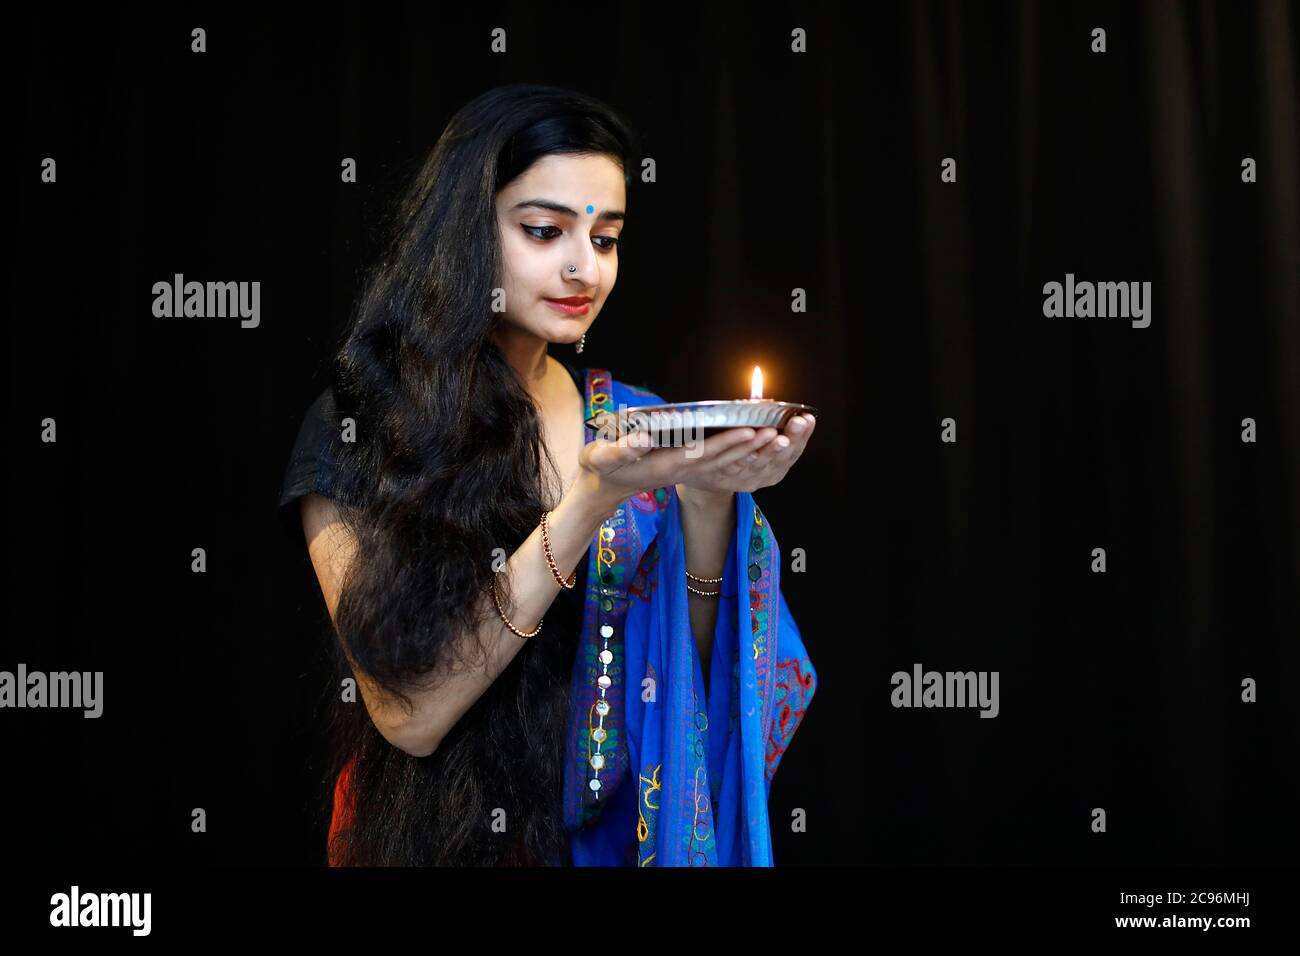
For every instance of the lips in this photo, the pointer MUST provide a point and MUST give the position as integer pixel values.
(573, 300)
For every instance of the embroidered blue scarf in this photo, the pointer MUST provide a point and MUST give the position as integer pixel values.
(656, 773)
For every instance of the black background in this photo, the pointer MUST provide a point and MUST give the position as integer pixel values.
(775, 170)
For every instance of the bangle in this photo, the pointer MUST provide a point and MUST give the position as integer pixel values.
(497, 601)
(546, 547)
(692, 577)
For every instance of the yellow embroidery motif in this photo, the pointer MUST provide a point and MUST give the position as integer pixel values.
(642, 829)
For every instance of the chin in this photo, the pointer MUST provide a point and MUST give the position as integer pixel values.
(566, 332)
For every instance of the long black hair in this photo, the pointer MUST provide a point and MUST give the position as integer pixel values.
(446, 467)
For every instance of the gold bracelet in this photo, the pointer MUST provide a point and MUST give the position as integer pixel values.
(546, 547)
(717, 581)
(497, 601)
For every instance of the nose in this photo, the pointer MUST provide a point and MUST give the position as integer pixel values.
(587, 273)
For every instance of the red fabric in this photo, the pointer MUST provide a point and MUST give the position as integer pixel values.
(341, 817)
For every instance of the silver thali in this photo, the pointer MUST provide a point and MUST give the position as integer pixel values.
(679, 423)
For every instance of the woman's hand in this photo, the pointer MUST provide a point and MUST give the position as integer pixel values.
(737, 459)
(764, 465)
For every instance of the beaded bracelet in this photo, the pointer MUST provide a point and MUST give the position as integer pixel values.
(717, 581)
(546, 547)
(523, 634)
(573, 580)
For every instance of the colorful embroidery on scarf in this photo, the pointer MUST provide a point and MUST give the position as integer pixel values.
(761, 608)
(648, 502)
(701, 846)
(795, 684)
(733, 719)
(648, 815)
(597, 744)
(643, 582)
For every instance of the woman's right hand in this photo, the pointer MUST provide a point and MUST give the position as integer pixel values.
(632, 465)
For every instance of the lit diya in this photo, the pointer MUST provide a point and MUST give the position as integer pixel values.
(680, 423)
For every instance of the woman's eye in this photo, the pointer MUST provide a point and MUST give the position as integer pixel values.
(606, 243)
(530, 231)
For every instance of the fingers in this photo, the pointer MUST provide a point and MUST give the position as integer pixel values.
(799, 429)
(708, 451)
(730, 453)
(715, 446)
(737, 459)
(784, 448)
(629, 448)
(730, 442)
(637, 445)
(791, 444)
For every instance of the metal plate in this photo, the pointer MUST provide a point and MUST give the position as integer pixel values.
(676, 424)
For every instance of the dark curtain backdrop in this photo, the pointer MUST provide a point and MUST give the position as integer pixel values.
(776, 171)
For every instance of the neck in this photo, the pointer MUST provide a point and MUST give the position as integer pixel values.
(526, 354)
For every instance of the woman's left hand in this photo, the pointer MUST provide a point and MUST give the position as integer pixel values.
(768, 464)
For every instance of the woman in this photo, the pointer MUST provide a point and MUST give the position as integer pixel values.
(458, 492)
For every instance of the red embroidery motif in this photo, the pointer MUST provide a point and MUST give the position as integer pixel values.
(795, 684)
(643, 582)
(648, 502)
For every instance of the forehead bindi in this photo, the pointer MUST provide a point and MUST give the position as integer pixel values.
(561, 208)
(570, 188)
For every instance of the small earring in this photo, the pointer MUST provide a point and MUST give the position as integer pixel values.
(582, 341)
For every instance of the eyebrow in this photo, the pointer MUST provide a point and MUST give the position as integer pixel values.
(613, 215)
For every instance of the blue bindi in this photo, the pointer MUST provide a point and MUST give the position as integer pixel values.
(590, 208)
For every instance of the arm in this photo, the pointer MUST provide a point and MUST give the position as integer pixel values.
(436, 707)
(708, 522)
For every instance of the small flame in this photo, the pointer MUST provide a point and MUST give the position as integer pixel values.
(756, 383)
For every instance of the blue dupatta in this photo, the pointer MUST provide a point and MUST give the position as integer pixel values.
(656, 775)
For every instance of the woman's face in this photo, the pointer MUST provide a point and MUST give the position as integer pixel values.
(566, 209)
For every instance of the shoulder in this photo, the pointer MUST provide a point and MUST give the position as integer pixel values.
(313, 458)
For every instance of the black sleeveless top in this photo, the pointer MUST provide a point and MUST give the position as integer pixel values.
(313, 464)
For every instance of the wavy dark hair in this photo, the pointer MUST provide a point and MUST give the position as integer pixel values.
(445, 467)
